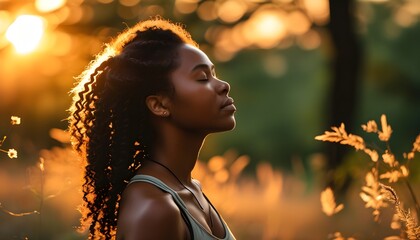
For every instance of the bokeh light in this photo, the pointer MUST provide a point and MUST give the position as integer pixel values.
(186, 6)
(266, 28)
(318, 11)
(49, 5)
(232, 10)
(129, 3)
(207, 11)
(276, 56)
(25, 33)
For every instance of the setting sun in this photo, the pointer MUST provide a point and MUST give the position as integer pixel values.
(25, 33)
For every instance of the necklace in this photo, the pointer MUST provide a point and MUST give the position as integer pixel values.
(173, 174)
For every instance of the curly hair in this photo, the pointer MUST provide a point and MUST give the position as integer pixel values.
(109, 121)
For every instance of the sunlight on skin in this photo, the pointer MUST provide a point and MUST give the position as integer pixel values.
(25, 33)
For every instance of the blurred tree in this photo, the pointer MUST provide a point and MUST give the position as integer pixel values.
(345, 69)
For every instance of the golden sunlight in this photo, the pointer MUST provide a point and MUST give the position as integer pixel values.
(25, 33)
(266, 28)
(49, 5)
(186, 6)
(207, 11)
(232, 10)
(318, 11)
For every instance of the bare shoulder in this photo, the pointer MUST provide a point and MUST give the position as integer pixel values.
(198, 183)
(146, 212)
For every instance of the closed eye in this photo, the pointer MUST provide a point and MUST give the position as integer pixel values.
(203, 77)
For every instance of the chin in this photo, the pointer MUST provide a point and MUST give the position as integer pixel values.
(230, 126)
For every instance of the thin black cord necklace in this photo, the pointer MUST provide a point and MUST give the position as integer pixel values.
(173, 174)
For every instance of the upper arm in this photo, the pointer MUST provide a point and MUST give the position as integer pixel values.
(146, 214)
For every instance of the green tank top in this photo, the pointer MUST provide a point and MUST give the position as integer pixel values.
(198, 232)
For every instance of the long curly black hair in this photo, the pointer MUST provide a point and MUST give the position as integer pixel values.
(109, 122)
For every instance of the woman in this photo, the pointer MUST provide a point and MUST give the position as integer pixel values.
(139, 117)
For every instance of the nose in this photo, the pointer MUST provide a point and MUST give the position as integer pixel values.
(223, 87)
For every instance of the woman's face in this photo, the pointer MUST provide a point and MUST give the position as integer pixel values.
(200, 102)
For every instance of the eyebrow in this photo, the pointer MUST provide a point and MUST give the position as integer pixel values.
(203, 66)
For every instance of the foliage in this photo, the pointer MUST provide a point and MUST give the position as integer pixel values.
(376, 194)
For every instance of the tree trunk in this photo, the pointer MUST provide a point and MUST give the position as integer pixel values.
(345, 68)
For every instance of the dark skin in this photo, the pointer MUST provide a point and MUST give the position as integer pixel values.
(199, 106)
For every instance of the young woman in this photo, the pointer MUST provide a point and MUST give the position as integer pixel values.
(139, 117)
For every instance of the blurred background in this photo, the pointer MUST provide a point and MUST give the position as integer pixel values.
(296, 67)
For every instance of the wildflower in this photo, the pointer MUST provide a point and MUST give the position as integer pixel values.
(370, 127)
(12, 153)
(329, 206)
(15, 120)
(385, 134)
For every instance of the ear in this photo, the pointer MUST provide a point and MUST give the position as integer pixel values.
(157, 105)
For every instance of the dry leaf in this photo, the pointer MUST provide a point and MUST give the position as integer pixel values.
(329, 206)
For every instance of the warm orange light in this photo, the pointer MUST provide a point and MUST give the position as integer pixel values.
(298, 23)
(186, 6)
(310, 40)
(318, 11)
(129, 3)
(232, 10)
(49, 5)
(25, 33)
(407, 15)
(266, 28)
(207, 11)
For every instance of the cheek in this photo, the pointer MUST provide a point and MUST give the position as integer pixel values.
(196, 97)
(199, 107)
(194, 108)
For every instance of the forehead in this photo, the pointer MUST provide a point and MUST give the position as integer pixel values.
(190, 57)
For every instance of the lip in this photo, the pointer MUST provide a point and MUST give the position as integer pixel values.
(228, 104)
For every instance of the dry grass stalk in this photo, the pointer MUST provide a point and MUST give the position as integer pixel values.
(372, 193)
(412, 229)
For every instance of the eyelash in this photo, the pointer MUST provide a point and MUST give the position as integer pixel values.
(205, 78)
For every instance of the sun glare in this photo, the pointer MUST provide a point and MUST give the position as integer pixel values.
(49, 5)
(25, 33)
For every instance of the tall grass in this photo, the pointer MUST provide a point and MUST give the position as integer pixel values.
(385, 168)
(41, 201)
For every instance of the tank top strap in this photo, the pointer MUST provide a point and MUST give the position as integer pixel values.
(197, 231)
(158, 183)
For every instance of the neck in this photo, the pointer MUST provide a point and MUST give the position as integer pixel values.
(179, 153)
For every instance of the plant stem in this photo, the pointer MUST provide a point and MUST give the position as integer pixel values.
(413, 195)
(41, 203)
